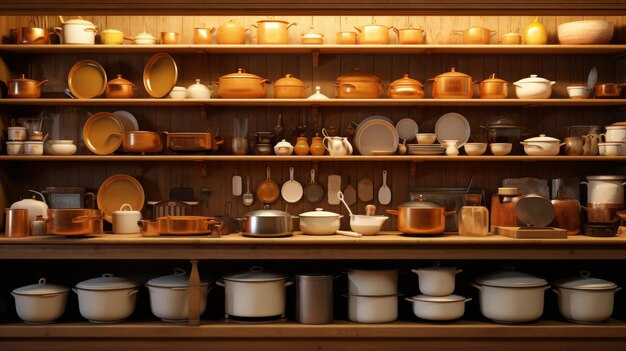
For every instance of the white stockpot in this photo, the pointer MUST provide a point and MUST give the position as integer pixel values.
(41, 302)
(533, 87)
(106, 299)
(615, 134)
(605, 189)
(126, 221)
(585, 299)
(320, 222)
(373, 309)
(510, 296)
(438, 308)
(255, 293)
(373, 282)
(542, 146)
(437, 281)
(169, 296)
(77, 31)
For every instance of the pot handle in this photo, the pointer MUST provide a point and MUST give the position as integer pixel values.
(458, 271)
(253, 38)
(447, 213)
(289, 282)
(75, 290)
(617, 289)
(393, 212)
(292, 24)
(558, 293)
(561, 144)
(410, 299)
(395, 30)
(93, 30)
(468, 299)
(492, 33)
(546, 287)
(129, 38)
(477, 286)
(358, 29)
(584, 183)
(133, 292)
(220, 282)
(80, 219)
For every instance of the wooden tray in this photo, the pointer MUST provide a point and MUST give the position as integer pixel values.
(532, 233)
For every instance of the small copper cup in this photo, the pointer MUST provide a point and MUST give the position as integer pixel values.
(17, 223)
(31, 35)
(574, 146)
(346, 37)
(202, 34)
(169, 37)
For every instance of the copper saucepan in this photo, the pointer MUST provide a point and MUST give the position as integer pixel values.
(24, 88)
(186, 225)
(191, 141)
(608, 90)
(141, 141)
(421, 217)
(452, 85)
(74, 221)
(494, 88)
(31, 35)
(119, 88)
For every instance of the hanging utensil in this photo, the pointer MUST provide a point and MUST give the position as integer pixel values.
(247, 198)
(268, 190)
(291, 191)
(313, 191)
(592, 79)
(236, 184)
(278, 129)
(365, 189)
(205, 194)
(334, 186)
(350, 193)
(342, 198)
(384, 193)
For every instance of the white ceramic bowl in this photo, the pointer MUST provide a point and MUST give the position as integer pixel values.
(585, 32)
(577, 91)
(33, 147)
(15, 147)
(610, 149)
(178, 93)
(475, 149)
(500, 149)
(438, 308)
(60, 147)
(426, 138)
(367, 225)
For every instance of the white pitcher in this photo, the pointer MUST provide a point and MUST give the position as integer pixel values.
(336, 146)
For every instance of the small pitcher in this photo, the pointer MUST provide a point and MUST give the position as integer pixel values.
(590, 144)
(452, 147)
(336, 146)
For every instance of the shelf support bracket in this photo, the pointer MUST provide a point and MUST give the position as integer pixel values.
(194, 294)
(316, 57)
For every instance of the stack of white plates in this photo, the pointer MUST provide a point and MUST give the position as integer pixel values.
(432, 149)
(376, 135)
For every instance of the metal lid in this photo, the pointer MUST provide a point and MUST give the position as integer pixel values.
(120, 81)
(448, 298)
(533, 79)
(510, 279)
(314, 276)
(268, 213)
(452, 73)
(606, 177)
(241, 73)
(534, 210)
(585, 282)
(358, 76)
(492, 79)
(179, 279)
(144, 35)
(319, 213)
(420, 203)
(312, 34)
(107, 282)
(22, 79)
(78, 20)
(406, 81)
(255, 274)
(41, 288)
(543, 137)
(289, 81)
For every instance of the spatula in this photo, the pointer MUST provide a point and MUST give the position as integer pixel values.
(384, 193)
(365, 189)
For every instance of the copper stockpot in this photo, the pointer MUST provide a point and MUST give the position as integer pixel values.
(475, 35)
(409, 35)
(405, 88)
(608, 90)
(272, 31)
(119, 88)
(346, 37)
(359, 85)
(231, 32)
(186, 225)
(23, 88)
(142, 142)
(421, 217)
(373, 34)
(453, 85)
(241, 85)
(203, 34)
(191, 141)
(511, 38)
(169, 38)
(289, 87)
(31, 35)
(494, 88)
(74, 221)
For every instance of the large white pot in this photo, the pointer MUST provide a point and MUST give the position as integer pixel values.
(77, 31)
(437, 281)
(511, 297)
(438, 308)
(373, 309)
(320, 222)
(605, 189)
(106, 299)
(41, 302)
(533, 88)
(255, 293)
(169, 296)
(372, 282)
(542, 146)
(125, 221)
(615, 134)
(585, 299)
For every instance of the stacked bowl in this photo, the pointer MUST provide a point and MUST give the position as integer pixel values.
(373, 295)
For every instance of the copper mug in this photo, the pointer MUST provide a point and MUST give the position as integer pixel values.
(346, 38)
(590, 144)
(169, 37)
(574, 146)
(202, 34)
(17, 224)
(31, 35)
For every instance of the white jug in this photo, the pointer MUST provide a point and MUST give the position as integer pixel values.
(605, 189)
(336, 146)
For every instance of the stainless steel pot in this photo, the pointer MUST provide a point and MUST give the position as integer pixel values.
(268, 222)
(314, 298)
(421, 217)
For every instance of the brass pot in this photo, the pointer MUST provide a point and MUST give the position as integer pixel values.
(421, 217)
(191, 141)
(231, 32)
(119, 88)
(476, 35)
(409, 35)
(74, 221)
(139, 141)
(373, 34)
(241, 85)
(511, 38)
(289, 87)
(405, 88)
(169, 38)
(203, 35)
(185, 225)
(608, 90)
(359, 85)
(494, 88)
(31, 35)
(453, 85)
(346, 37)
(272, 31)
(111, 37)
(23, 88)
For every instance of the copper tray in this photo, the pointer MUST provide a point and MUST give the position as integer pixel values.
(160, 75)
(118, 190)
(87, 79)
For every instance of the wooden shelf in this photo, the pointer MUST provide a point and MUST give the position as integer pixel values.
(314, 103)
(339, 335)
(391, 245)
(326, 158)
(392, 49)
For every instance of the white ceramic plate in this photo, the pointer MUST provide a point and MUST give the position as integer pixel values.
(128, 120)
(407, 128)
(452, 126)
(377, 135)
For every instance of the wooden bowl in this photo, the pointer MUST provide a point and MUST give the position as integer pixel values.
(591, 32)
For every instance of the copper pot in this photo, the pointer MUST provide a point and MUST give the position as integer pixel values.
(405, 88)
(289, 87)
(23, 88)
(272, 31)
(142, 142)
(231, 32)
(74, 221)
(185, 225)
(409, 35)
(119, 88)
(31, 35)
(359, 85)
(203, 35)
(421, 217)
(608, 90)
(241, 85)
(476, 35)
(346, 37)
(191, 141)
(494, 88)
(169, 38)
(373, 34)
(453, 85)
(511, 38)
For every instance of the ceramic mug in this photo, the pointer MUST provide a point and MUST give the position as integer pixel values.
(590, 144)
(574, 146)
(614, 134)
(125, 221)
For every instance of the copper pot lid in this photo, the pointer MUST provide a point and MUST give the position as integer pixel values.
(406, 81)
(272, 21)
(241, 73)
(421, 203)
(358, 76)
(289, 81)
(120, 81)
(452, 73)
(23, 79)
(492, 79)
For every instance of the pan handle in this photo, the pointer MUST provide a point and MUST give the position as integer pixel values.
(393, 212)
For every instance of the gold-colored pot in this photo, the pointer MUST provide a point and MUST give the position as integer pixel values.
(359, 85)
(241, 85)
(111, 37)
(231, 32)
(119, 88)
(75, 221)
(272, 31)
(405, 88)
(453, 85)
(373, 34)
(142, 142)
(608, 90)
(494, 88)
(31, 35)
(421, 217)
(289, 87)
(24, 88)
(511, 39)
(409, 35)
(346, 37)
(169, 38)
(203, 35)
(185, 225)
(476, 35)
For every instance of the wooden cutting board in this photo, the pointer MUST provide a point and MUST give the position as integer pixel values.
(334, 186)
(527, 233)
(366, 189)
(349, 194)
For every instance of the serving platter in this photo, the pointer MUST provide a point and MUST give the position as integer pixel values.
(452, 126)
(160, 75)
(87, 79)
(118, 190)
(102, 133)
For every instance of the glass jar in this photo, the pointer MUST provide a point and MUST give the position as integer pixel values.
(473, 218)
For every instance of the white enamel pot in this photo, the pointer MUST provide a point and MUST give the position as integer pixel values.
(169, 296)
(77, 31)
(443, 308)
(125, 221)
(373, 309)
(372, 282)
(437, 281)
(255, 293)
(41, 302)
(542, 146)
(106, 299)
(320, 222)
(533, 88)
(605, 189)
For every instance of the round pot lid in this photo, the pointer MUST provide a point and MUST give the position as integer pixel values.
(534, 210)
(606, 177)
(502, 122)
(115, 31)
(78, 21)
(452, 73)
(510, 279)
(241, 73)
(543, 138)
(120, 81)
(319, 213)
(358, 76)
(611, 127)
(268, 213)
(492, 79)
(180, 279)
(144, 36)
(255, 274)
(585, 282)
(289, 81)
(533, 79)
(41, 288)
(107, 282)
(312, 34)
(448, 298)
(126, 210)
(272, 21)
(406, 81)
(22, 79)
(197, 86)
(283, 143)
(421, 203)
(437, 269)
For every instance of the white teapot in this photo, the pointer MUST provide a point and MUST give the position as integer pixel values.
(336, 146)
(198, 91)
(35, 207)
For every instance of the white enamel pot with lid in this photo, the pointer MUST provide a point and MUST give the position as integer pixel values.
(106, 299)
(437, 280)
(373, 282)
(77, 31)
(255, 293)
(320, 222)
(510, 296)
(585, 299)
(198, 91)
(169, 296)
(125, 221)
(41, 302)
(438, 308)
(35, 207)
(542, 146)
(606, 189)
(533, 87)
(373, 309)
